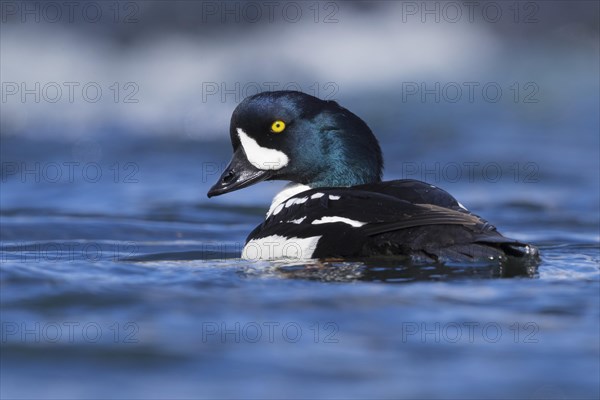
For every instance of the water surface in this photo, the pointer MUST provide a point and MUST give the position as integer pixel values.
(132, 287)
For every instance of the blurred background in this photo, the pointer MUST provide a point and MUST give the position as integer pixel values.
(114, 122)
(441, 82)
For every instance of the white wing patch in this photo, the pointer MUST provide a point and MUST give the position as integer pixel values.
(262, 157)
(332, 197)
(275, 247)
(331, 220)
(276, 211)
(296, 200)
(288, 191)
(297, 221)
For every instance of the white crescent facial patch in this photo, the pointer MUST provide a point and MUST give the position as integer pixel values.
(262, 157)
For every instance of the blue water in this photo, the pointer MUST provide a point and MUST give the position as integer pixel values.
(131, 287)
(120, 279)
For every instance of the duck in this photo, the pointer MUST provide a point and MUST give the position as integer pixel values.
(336, 206)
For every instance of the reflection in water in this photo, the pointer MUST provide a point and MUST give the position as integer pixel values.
(395, 270)
(381, 269)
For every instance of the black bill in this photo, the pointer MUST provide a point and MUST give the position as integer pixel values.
(238, 174)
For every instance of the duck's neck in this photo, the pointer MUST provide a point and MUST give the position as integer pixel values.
(346, 175)
(349, 153)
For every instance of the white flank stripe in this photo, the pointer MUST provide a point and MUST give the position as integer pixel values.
(277, 247)
(261, 157)
(331, 220)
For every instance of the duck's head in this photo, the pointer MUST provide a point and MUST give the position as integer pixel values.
(293, 136)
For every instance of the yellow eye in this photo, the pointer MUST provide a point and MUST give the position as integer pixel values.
(278, 126)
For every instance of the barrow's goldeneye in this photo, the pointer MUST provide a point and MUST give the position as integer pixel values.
(336, 205)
